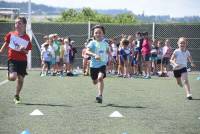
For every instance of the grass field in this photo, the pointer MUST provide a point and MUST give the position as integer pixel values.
(156, 106)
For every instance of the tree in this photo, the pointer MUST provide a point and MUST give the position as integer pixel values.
(125, 18)
(88, 12)
(70, 13)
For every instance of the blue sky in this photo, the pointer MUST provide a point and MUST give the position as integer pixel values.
(174, 8)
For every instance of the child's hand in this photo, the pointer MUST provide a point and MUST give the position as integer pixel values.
(97, 57)
(23, 49)
(193, 65)
(42, 63)
(175, 65)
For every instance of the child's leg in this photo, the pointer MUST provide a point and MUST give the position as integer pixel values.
(148, 68)
(12, 76)
(179, 82)
(186, 84)
(12, 73)
(43, 68)
(84, 65)
(20, 81)
(100, 83)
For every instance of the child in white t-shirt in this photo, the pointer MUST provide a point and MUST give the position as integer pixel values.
(179, 61)
(46, 59)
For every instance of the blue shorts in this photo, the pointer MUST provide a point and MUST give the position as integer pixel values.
(134, 62)
(53, 61)
(146, 57)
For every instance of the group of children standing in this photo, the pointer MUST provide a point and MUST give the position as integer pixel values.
(58, 54)
(138, 55)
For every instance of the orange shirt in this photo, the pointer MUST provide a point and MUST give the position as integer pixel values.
(10, 39)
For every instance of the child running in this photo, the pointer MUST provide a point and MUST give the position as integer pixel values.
(179, 60)
(98, 49)
(18, 44)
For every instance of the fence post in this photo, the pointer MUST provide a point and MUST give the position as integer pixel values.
(89, 29)
(29, 31)
(153, 31)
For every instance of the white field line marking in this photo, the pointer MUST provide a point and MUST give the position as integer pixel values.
(3, 82)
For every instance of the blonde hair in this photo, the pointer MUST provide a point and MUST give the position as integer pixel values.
(182, 38)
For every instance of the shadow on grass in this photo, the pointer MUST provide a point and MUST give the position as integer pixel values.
(195, 99)
(39, 104)
(119, 106)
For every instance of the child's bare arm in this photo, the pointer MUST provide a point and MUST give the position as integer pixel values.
(3, 47)
(88, 52)
(191, 61)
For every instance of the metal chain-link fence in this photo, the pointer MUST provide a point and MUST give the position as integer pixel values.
(79, 33)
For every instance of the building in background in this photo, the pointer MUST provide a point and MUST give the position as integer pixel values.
(9, 13)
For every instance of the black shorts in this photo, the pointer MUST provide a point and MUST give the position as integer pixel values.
(159, 61)
(95, 71)
(177, 73)
(48, 63)
(17, 66)
(165, 61)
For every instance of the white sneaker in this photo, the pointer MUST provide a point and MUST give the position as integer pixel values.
(189, 96)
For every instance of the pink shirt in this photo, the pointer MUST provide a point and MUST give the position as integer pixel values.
(146, 47)
(167, 51)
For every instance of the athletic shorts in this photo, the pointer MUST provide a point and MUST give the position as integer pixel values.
(134, 61)
(94, 72)
(177, 73)
(153, 57)
(53, 61)
(17, 66)
(146, 57)
(48, 63)
(159, 61)
(165, 61)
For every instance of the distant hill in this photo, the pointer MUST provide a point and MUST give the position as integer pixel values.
(36, 8)
(40, 9)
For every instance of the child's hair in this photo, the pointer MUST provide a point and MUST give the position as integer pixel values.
(138, 33)
(98, 26)
(46, 44)
(124, 42)
(183, 39)
(23, 19)
(145, 33)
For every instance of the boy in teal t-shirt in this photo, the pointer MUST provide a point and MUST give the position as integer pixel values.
(98, 49)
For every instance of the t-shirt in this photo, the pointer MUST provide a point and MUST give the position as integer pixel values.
(145, 47)
(114, 49)
(46, 55)
(181, 58)
(167, 51)
(56, 46)
(99, 48)
(14, 42)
